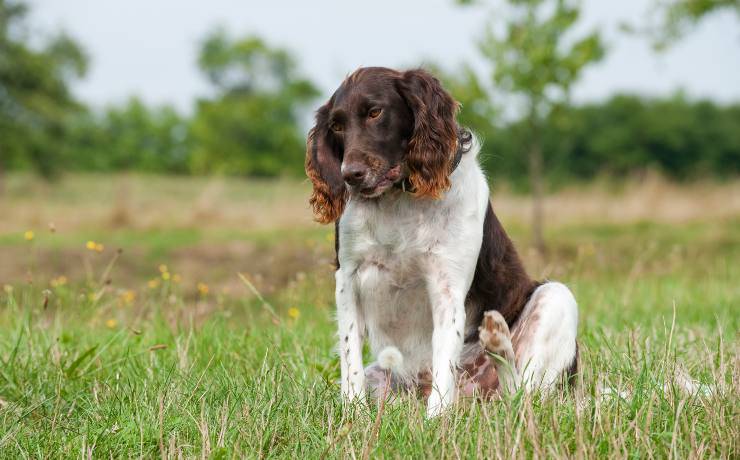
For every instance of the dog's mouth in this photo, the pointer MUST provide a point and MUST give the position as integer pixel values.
(382, 183)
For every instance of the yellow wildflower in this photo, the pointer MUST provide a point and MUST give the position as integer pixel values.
(29, 235)
(59, 281)
(163, 268)
(153, 283)
(176, 278)
(99, 247)
(202, 288)
(8, 289)
(165, 276)
(90, 245)
(344, 430)
(128, 296)
(294, 313)
(111, 323)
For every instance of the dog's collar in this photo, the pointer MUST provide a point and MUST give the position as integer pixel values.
(406, 184)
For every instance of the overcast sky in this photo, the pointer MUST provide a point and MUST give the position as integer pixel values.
(149, 47)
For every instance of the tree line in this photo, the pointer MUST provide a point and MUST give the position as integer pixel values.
(626, 135)
(254, 121)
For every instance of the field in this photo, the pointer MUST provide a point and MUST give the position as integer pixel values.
(146, 316)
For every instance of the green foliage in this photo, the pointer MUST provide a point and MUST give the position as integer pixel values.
(535, 58)
(675, 18)
(626, 135)
(35, 101)
(130, 137)
(683, 139)
(251, 125)
(531, 58)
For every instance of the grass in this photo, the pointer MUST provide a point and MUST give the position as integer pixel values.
(124, 359)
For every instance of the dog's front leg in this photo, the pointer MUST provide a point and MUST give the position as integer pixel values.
(448, 315)
(351, 328)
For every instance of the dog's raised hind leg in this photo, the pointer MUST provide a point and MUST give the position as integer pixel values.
(495, 338)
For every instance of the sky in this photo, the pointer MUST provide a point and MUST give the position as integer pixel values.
(149, 48)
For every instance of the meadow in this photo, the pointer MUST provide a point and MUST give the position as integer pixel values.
(151, 316)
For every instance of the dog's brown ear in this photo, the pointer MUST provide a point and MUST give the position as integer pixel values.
(323, 167)
(434, 140)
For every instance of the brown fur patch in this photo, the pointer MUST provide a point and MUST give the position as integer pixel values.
(323, 169)
(500, 282)
(434, 141)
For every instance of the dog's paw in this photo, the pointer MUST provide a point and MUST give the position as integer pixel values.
(494, 334)
(353, 387)
(436, 405)
(353, 396)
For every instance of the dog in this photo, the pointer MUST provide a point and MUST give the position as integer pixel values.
(424, 270)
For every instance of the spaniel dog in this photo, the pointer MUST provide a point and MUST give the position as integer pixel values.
(425, 271)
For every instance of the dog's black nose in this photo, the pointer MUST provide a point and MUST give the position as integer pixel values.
(354, 173)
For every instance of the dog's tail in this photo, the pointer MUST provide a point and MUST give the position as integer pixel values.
(390, 358)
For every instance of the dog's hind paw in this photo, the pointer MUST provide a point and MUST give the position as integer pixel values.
(495, 336)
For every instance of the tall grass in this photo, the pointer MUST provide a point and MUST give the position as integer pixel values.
(122, 358)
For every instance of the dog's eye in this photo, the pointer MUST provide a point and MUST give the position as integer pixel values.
(336, 127)
(374, 113)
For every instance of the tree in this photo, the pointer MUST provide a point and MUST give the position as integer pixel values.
(251, 126)
(535, 59)
(630, 135)
(133, 136)
(35, 99)
(672, 19)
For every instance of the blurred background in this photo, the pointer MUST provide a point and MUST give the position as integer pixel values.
(174, 131)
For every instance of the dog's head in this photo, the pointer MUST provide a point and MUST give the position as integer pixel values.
(381, 127)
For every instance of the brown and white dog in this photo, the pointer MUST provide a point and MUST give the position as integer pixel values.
(425, 270)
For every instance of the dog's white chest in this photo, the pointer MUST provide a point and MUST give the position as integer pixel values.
(404, 256)
(392, 296)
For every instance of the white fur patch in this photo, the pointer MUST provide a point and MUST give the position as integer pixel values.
(404, 257)
(401, 258)
(551, 348)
